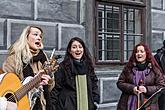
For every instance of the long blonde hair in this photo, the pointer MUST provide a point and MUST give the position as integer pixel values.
(21, 50)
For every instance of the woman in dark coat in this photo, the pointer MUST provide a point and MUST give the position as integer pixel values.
(76, 82)
(142, 76)
(27, 59)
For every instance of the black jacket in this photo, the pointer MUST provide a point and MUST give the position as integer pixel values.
(63, 95)
(160, 58)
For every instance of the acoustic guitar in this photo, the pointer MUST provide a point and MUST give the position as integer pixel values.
(12, 88)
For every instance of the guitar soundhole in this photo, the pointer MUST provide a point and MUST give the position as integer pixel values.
(10, 97)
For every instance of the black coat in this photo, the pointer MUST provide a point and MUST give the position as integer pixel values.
(160, 58)
(63, 95)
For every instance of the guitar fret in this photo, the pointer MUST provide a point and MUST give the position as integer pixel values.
(28, 86)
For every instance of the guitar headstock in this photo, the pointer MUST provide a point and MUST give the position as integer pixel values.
(51, 66)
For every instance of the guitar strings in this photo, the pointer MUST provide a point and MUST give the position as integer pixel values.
(11, 98)
(20, 91)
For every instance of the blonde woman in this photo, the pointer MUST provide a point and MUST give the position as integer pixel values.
(26, 58)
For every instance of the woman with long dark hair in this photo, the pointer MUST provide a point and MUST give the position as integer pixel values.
(76, 82)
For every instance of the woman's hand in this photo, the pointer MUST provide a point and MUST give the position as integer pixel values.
(139, 89)
(142, 89)
(11, 106)
(45, 79)
(7, 105)
(135, 90)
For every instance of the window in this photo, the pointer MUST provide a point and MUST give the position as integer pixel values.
(119, 29)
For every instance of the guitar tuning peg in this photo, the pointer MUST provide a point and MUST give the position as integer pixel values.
(58, 56)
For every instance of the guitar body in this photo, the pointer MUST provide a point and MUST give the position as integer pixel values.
(9, 84)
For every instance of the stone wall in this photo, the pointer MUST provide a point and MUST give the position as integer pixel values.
(109, 93)
(60, 20)
(158, 27)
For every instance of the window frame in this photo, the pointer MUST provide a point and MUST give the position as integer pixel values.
(121, 5)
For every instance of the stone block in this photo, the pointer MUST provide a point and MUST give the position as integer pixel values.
(157, 4)
(157, 40)
(2, 57)
(107, 106)
(157, 20)
(15, 28)
(16, 8)
(2, 34)
(66, 32)
(108, 90)
(58, 10)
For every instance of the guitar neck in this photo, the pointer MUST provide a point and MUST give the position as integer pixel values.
(28, 86)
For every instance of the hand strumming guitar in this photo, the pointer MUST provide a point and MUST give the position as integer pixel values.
(45, 79)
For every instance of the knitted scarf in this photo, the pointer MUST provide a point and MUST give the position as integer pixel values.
(81, 85)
